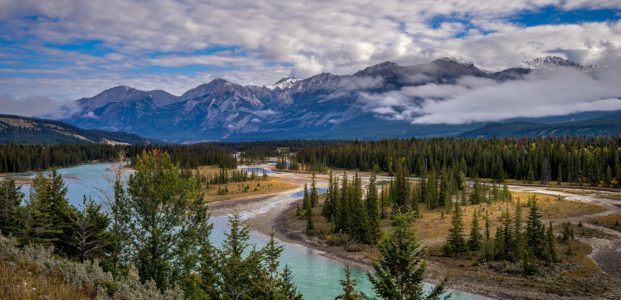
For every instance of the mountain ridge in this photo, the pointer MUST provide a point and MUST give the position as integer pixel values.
(318, 106)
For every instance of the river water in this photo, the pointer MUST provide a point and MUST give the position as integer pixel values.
(315, 275)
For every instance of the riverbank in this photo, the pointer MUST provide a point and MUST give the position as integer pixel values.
(465, 275)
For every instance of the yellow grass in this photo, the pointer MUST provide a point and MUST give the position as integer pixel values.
(432, 228)
(256, 187)
(609, 221)
(247, 188)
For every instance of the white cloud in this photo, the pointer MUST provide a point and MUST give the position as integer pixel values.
(27, 106)
(275, 39)
(542, 93)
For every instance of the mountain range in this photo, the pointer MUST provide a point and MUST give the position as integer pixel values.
(324, 106)
(23, 130)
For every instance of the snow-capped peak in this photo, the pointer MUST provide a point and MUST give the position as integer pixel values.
(550, 61)
(555, 61)
(283, 83)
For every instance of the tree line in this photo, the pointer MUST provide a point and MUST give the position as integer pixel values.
(592, 161)
(22, 158)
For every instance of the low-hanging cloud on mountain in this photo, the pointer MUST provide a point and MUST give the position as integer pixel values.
(31, 106)
(546, 92)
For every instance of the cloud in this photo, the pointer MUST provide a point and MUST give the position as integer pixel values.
(164, 44)
(546, 92)
(27, 106)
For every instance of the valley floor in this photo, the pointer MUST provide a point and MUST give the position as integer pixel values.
(593, 270)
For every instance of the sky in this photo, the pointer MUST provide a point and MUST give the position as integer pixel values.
(56, 51)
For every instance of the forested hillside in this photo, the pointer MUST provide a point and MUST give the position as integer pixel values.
(593, 161)
(23, 130)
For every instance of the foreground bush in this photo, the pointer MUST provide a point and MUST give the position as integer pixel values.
(33, 272)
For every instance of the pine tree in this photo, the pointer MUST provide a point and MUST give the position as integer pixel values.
(40, 227)
(445, 191)
(534, 227)
(506, 194)
(431, 191)
(519, 236)
(372, 211)
(551, 256)
(118, 256)
(349, 287)
(476, 196)
(238, 269)
(400, 192)
(456, 244)
(474, 242)
(10, 211)
(168, 221)
(546, 171)
(342, 219)
(87, 236)
(313, 197)
(489, 246)
(608, 176)
(416, 196)
(359, 226)
(383, 203)
(327, 211)
(61, 211)
(287, 288)
(399, 272)
(507, 234)
(310, 225)
(306, 204)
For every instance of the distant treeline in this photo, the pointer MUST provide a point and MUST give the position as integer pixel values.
(594, 161)
(257, 151)
(22, 158)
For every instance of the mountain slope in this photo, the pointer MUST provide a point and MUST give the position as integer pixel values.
(607, 125)
(23, 130)
(321, 106)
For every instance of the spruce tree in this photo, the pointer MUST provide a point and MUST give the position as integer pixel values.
(327, 211)
(168, 221)
(399, 273)
(400, 192)
(518, 235)
(313, 197)
(476, 195)
(238, 270)
(455, 243)
(306, 204)
(474, 242)
(39, 225)
(506, 194)
(349, 287)
(551, 245)
(359, 227)
(10, 211)
(310, 225)
(287, 287)
(342, 219)
(507, 235)
(534, 240)
(87, 236)
(489, 246)
(383, 203)
(372, 211)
